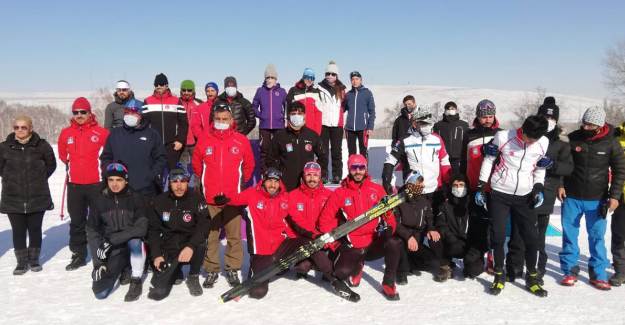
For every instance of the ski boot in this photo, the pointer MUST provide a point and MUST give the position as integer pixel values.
(498, 283)
(532, 284)
(343, 291)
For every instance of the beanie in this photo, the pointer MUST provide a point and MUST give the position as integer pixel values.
(187, 84)
(594, 115)
(332, 67)
(116, 169)
(179, 174)
(549, 108)
(81, 104)
(296, 106)
(134, 106)
(211, 84)
(355, 74)
(270, 71)
(308, 74)
(485, 107)
(160, 80)
(451, 105)
(272, 173)
(230, 81)
(356, 160)
(534, 126)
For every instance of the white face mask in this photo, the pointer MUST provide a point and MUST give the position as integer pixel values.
(451, 112)
(221, 126)
(296, 120)
(131, 120)
(551, 124)
(231, 91)
(459, 192)
(425, 129)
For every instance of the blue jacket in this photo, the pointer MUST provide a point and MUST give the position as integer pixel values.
(360, 109)
(270, 106)
(141, 150)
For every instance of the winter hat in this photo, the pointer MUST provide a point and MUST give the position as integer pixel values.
(122, 84)
(134, 105)
(272, 173)
(485, 107)
(308, 74)
(535, 126)
(270, 71)
(230, 81)
(594, 115)
(116, 169)
(160, 80)
(422, 115)
(187, 84)
(355, 74)
(332, 67)
(179, 174)
(356, 160)
(312, 167)
(450, 105)
(296, 106)
(549, 108)
(211, 84)
(81, 104)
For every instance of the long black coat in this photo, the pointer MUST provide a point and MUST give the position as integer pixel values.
(560, 152)
(25, 169)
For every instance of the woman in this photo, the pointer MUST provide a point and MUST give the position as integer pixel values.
(332, 120)
(26, 163)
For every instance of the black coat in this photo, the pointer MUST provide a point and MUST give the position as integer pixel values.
(560, 152)
(414, 217)
(401, 125)
(25, 169)
(453, 130)
(591, 159)
(242, 112)
(176, 223)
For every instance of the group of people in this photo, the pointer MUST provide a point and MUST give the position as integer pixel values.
(156, 187)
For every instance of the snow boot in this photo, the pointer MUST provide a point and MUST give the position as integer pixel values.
(33, 259)
(401, 278)
(158, 293)
(134, 290)
(617, 279)
(390, 291)
(193, 283)
(532, 284)
(343, 291)
(77, 261)
(498, 283)
(232, 276)
(211, 279)
(22, 261)
(444, 274)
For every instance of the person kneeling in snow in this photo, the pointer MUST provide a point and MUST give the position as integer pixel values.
(115, 227)
(177, 235)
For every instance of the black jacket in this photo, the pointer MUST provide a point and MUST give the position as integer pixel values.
(452, 221)
(25, 169)
(291, 150)
(560, 152)
(116, 217)
(242, 112)
(177, 222)
(591, 159)
(401, 125)
(414, 217)
(453, 130)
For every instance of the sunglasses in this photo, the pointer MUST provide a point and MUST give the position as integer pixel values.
(270, 77)
(179, 179)
(80, 112)
(330, 74)
(309, 78)
(20, 127)
(187, 90)
(357, 167)
(312, 165)
(116, 167)
(123, 90)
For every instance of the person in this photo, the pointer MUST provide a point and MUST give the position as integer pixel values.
(308, 94)
(357, 194)
(558, 165)
(517, 189)
(618, 228)
(79, 147)
(140, 148)
(402, 124)
(190, 104)
(222, 160)
(177, 230)
(200, 117)
(114, 111)
(295, 145)
(165, 114)
(360, 108)
(115, 226)
(242, 111)
(590, 192)
(452, 130)
(269, 105)
(26, 163)
(332, 121)
(267, 233)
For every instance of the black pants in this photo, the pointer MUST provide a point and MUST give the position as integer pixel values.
(453, 249)
(164, 280)
(427, 257)
(115, 264)
(332, 142)
(455, 165)
(502, 205)
(79, 198)
(266, 137)
(24, 224)
(352, 136)
(173, 156)
(350, 260)
(477, 240)
(516, 246)
(618, 238)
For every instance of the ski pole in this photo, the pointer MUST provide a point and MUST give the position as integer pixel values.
(63, 196)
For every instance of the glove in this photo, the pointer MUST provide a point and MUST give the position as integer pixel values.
(537, 197)
(383, 230)
(538, 200)
(490, 149)
(221, 199)
(99, 272)
(545, 162)
(480, 196)
(163, 266)
(104, 250)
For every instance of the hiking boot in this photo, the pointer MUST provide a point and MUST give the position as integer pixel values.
(193, 283)
(22, 261)
(211, 279)
(134, 290)
(232, 276)
(77, 261)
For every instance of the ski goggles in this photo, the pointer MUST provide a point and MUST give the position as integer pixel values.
(312, 167)
(178, 175)
(116, 167)
(273, 173)
(220, 107)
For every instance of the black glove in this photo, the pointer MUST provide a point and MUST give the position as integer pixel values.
(104, 250)
(383, 230)
(163, 266)
(99, 272)
(536, 197)
(221, 199)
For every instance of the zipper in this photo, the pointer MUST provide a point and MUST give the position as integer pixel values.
(24, 173)
(519, 169)
(162, 120)
(355, 108)
(270, 109)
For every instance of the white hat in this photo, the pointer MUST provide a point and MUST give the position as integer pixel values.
(594, 115)
(332, 67)
(122, 84)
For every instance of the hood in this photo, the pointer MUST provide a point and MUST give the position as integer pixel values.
(362, 87)
(302, 86)
(405, 112)
(167, 94)
(603, 132)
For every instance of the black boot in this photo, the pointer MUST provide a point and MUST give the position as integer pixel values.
(513, 273)
(78, 261)
(343, 291)
(617, 279)
(444, 274)
(211, 279)
(232, 276)
(134, 290)
(533, 285)
(124, 278)
(498, 283)
(193, 283)
(22, 261)
(33, 259)
(401, 278)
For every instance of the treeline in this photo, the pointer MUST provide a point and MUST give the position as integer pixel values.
(47, 120)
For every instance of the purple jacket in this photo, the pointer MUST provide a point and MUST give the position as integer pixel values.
(270, 106)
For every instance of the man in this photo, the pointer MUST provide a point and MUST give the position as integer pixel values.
(618, 229)
(114, 112)
(269, 104)
(517, 189)
(402, 123)
(452, 130)
(115, 227)
(308, 94)
(222, 160)
(140, 148)
(294, 146)
(332, 120)
(168, 117)
(178, 225)
(190, 104)
(242, 110)
(200, 117)
(360, 108)
(79, 147)
(589, 191)
(375, 239)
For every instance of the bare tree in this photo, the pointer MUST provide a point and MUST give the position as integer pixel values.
(47, 120)
(99, 99)
(390, 114)
(467, 113)
(614, 111)
(529, 104)
(614, 64)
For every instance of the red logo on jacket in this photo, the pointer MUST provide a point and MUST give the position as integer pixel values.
(187, 217)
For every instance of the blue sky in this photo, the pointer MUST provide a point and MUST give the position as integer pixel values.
(519, 45)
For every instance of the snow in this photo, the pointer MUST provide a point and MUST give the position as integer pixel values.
(55, 296)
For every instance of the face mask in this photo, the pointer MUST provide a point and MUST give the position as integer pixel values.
(459, 192)
(131, 120)
(296, 120)
(425, 129)
(231, 91)
(221, 126)
(451, 112)
(270, 83)
(551, 124)
(588, 133)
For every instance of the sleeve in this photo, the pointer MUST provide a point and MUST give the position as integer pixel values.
(159, 159)
(201, 229)
(322, 157)
(92, 229)
(154, 231)
(183, 125)
(108, 116)
(464, 153)
(445, 166)
(436, 128)
(273, 160)
(397, 154)
(2, 160)
(248, 161)
(198, 155)
(139, 227)
(539, 173)
(62, 147)
(256, 103)
(563, 162)
(617, 164)
(290, 96)
(371, 112)
(196, 123)
(299, 229)
(402, 231)
(328, 219)
(242, 199)
(250, 116)
(487, 163)
(106, 157)
(395, 131)
(429, 217)
(49, 159)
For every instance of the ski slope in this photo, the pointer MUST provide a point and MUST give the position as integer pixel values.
(55, 296)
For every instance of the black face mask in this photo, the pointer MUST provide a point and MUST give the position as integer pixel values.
(587, 133)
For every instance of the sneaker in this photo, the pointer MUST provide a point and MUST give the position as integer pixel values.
(354, 280)
(617, 279)
(124, 278)
(498, 284)
(389, 291)
(77, 261)
(600, 284)
(568, 280)
(193, 283)
(232, 276)
(343, 291)
(211, 279)
(532, 285)
(444, 274)
(401, 278)
(134, 290)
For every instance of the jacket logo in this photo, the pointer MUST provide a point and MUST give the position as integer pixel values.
(276, 93)
(284, 205)
(94, 138)
(578, 149)
(308, 147)
(70, 140)
(289, 147)
(476, 151)
(143, 138)
(209, 151)
(234, 150)
(165, 216)
(300, 207)
(260, 205)
(601, 152)
(187, 217)
(373, 197)
(348, 202)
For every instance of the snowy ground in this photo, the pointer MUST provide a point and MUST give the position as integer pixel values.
(55, 296)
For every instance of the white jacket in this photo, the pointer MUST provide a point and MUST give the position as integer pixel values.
(331, 108)
(515, 172)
